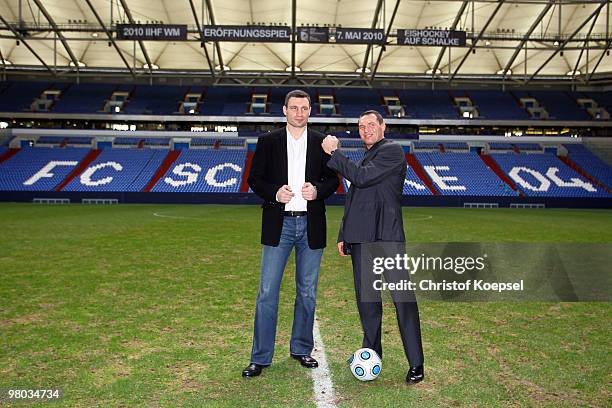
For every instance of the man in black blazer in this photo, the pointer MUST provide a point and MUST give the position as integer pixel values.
(289, 171)
(373, 214)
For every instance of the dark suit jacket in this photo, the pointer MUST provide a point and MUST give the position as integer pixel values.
(269, 173)
(373, 211)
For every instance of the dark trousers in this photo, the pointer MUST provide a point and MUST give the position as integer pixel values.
(369, 303)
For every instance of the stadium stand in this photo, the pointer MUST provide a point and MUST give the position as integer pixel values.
(76, 140)
(455, 146)
(228, 101)
(544, 175)
(157, 142)
(349, 102)
(50, 140)
(352, 143)
(426, 145)
(204, 171)
(428, 104)
(560, 105)
(83, 98)
(39, 168)
(352, 102)
(155, 100)
(528, 146)
(590, 163)
(501, 146)
(123, 170)
(497, 105)
(462, 174)
(128, 141)
(413, 185)
(18, 96)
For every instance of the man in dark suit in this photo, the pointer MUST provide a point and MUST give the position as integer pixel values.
(289, 171)
(373, 217)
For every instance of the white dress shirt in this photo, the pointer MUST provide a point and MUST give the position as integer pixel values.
(296, 170)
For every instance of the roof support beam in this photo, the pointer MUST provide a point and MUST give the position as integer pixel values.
(374, 23)
(586, 43)
(43, 10)
(454, 26)
(110, 36)
(383, 48)
(128, 13)
(475, 41)
(599, 61)
(211, 15)
(293, 34)
(197, 21)
(21, 38)
(519, 48)
(560, 48)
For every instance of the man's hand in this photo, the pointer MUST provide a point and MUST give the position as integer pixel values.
(329, 144)
(284, 194)
(309, 192)
(341, 249)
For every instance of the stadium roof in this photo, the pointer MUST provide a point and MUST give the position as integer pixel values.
(522, 40)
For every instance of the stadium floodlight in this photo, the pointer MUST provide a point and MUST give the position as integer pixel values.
(4, 125)
(573, 73)
(225, 68)
(430, 71)
(153, 66)
(360, 70)
(5, 62)
(502, 72)
(297, 69)
(117, 109)
(94, 35)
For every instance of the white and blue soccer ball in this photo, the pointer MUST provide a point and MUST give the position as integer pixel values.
(365, 364)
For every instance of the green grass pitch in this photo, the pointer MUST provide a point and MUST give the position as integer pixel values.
(152, 305)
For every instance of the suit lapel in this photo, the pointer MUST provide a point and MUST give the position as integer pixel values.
(282, 155)
(311, 156)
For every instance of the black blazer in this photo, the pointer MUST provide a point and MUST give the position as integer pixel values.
(373, 211)
(269, 173)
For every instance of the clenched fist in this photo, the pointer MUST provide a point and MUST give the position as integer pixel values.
(284, 194)
(329, 144)
(309, 192)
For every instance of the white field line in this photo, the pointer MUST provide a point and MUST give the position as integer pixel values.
(321, 377)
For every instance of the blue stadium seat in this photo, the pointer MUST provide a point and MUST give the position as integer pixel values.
(544, 175)
(590, 163)
(119, 170)
(462, 174)
(17, 173)
(17, 96)
(84, 98)
(561, 105)
(497, 105)
(204, 171)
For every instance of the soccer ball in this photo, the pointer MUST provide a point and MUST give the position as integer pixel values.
(365, 364)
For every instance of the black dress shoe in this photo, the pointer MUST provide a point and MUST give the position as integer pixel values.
(306, 361)
(253, 370)
(415, 375)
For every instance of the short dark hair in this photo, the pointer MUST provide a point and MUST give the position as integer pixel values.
(375, 113)
(297, 93)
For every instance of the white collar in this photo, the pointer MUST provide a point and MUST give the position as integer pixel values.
(302, 137)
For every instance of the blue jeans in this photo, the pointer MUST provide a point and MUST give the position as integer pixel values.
(273, 262)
